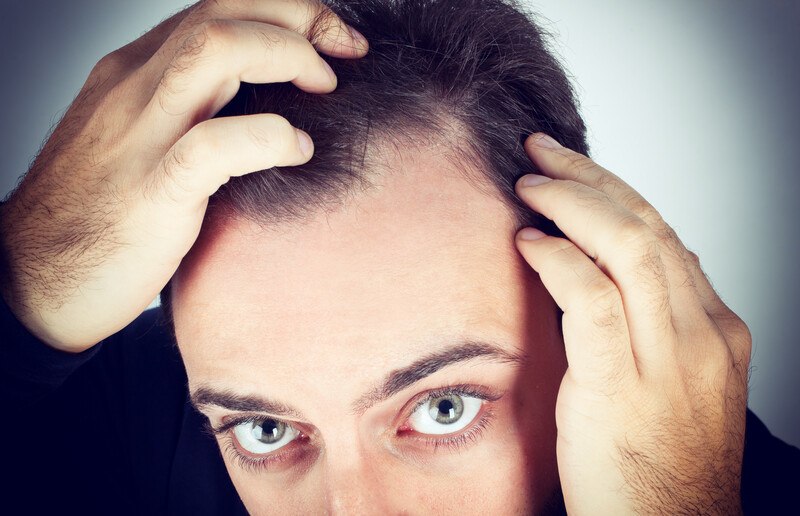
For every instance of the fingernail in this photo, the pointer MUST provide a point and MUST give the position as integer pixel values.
(304, 140)
(530, 234)
(546, 142)
(359, 38)
(533, 180)
(328, 68)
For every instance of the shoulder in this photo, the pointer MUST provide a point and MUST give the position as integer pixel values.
(770, 471)
(146, 355)
(150, 332)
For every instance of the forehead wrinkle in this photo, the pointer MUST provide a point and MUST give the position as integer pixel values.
(400, 379)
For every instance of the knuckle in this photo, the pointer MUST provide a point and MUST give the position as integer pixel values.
(591, 200)
(633, 232)
(109, 64)
(106, 73)
(219, 6)
(207, 39)
(670, 241)
(650, 264)
(586, 197)
(317, 8)
(639, 205)
(642, 252)
(321, 23)
(562, 251)
(579, 165)
(176, 167)
(203, 40)
(602, 296)
(567, 184)
(263, 138)
(746, 335)
(711, 341)
(605, 318)
(650, 254)
(313, 11)
(610, 184)
(607, 182)
(735, 323)
(742, 360)
(275, 39)
(669, 238)
(190, 48)
(276, 135)
(201, 43)
(201, 142)
(741, 334)
(632, 229)
(733, 335)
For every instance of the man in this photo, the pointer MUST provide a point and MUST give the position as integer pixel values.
(374, 329)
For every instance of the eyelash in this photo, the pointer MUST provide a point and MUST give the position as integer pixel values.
(248, 463)
(467, 436)
(245, 462)
(453, 442)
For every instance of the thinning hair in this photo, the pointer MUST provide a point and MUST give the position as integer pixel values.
(475, 76)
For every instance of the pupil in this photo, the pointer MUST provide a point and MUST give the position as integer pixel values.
(447, 409)
(271, 431)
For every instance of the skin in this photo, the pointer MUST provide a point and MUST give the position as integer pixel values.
(650, 412)
(291, 313)
(117, 196)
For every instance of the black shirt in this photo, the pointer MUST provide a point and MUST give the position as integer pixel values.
(111, 431)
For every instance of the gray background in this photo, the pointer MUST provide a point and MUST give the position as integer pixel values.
(693, 103)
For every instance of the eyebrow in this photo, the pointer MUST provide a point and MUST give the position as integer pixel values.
(395, 381)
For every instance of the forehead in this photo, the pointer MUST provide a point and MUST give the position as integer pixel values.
(422, 257)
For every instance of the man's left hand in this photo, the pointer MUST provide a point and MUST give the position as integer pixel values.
(651, 411)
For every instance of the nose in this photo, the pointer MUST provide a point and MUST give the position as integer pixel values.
(353, 485)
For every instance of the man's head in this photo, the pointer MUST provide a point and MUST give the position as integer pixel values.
(369, 309)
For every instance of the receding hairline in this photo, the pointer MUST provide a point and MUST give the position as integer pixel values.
(388, 156)
(383, 148)
(495, 72)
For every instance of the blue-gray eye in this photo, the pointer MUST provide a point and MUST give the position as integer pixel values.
(445, 414)
(264, 435)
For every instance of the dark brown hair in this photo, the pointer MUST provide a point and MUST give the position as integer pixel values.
(476, 75)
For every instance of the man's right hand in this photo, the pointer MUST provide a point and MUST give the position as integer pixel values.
(117, 195)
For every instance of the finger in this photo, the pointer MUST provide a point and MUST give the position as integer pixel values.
(596, 335)
(206, 74)
(117, 65)
(695, 302)
(735, 331)
(213, 151)
(624, 247)
(309, 18)
(562, 163)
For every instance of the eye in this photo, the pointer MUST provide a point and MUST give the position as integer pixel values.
(445, 414)
(262, 436)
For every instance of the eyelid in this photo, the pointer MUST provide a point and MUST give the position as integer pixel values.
(229, 446)
(462, 389)
(410, 406)
(228, 422)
